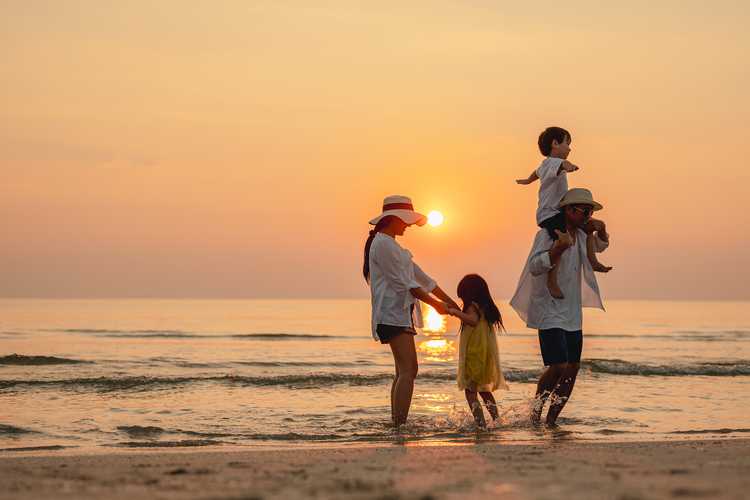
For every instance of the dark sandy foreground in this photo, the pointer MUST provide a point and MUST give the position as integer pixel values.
(555, 470)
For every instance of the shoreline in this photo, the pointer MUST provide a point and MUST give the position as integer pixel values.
(715, 468)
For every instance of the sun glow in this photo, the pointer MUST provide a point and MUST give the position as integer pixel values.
(437, 349)
(433, 322)
(435, 218)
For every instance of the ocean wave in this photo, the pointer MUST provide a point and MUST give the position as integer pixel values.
(10, 430)
(18, 359)
(177, 334)
(712, 431)
(301, 381)
(168, 444)
(138, 431)
(327, 379)
(710, 369)
(38, 448)
(679, 335)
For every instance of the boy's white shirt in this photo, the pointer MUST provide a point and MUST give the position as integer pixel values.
(532, 300)
(552, 187)
(393, 274)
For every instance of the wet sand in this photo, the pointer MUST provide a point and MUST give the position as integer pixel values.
(557, 469)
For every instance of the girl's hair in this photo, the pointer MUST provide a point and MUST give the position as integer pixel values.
(473, 288)
(382, 224)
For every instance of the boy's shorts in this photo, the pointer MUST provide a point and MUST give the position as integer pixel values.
(560, 346)
(555, 222)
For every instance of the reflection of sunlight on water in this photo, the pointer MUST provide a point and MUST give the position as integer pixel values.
(433, 322)
(437, 349)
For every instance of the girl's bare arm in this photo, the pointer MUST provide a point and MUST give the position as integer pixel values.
(470, 317)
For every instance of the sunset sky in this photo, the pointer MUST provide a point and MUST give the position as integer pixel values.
(238, 148)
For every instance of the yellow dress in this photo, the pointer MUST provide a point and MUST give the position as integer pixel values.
(478, 359)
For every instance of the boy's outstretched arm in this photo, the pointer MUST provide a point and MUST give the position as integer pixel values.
(531, 178)
(566, 166)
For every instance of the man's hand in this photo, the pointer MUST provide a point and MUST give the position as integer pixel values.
(524, 182)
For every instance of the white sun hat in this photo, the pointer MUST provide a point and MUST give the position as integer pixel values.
(401, 207)
(579, 196)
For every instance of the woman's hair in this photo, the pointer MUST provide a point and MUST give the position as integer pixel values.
(382, 224)
(473, 288)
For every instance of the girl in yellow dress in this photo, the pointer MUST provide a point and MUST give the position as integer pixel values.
(478, 358)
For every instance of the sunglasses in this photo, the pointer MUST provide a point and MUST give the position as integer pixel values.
(586, 211)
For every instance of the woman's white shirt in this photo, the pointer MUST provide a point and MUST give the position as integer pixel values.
(393, 274)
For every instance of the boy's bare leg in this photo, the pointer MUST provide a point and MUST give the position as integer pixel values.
(476, 408)
(491, 404)
(591, 252)
(552, 286)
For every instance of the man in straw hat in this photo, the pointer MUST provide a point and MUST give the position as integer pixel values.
(560, 321)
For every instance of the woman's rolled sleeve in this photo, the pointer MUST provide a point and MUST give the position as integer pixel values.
(428, 284)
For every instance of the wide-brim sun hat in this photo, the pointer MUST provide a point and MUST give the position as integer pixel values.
(401, 207)
(579, 196)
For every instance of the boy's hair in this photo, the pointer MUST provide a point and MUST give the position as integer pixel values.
(552, 134)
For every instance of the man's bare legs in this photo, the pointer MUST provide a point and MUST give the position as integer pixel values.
(562, 392)
(405, 357)
(545, 387)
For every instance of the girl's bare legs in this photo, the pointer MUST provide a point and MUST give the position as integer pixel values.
(491, 404)
(475, 407)
(405, 357)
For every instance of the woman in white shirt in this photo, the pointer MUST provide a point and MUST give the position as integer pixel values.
(396, 282)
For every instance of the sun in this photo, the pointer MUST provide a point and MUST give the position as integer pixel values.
(435, 218)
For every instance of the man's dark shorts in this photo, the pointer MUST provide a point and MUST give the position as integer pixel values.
(560, 346)
(554, 222)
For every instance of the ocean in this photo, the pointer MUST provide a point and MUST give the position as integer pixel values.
(122, 374)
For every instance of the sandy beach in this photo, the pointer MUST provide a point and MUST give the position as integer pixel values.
(558, 469)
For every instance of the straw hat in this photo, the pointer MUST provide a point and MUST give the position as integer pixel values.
(579, 196)
(401, 207)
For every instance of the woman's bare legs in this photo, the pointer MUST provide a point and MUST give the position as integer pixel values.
(393, 391)
(405, 357)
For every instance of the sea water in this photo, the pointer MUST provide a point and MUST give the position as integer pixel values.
(122, 374)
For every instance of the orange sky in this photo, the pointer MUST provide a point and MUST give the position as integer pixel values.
(185, 149)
